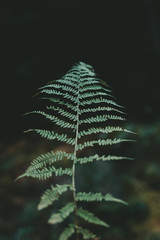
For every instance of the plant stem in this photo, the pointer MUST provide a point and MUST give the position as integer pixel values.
(73, 169)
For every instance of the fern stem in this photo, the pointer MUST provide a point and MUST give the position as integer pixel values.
(73, 169)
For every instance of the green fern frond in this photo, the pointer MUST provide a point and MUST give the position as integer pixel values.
(92, 94)
(106, 130)
(101, 118)
(68, 232)
(94, 87)
(77, 99)
(55, 119)
(97, 109)
(91, 197)
(62, 213)
(53, 194)
(99, 101)
(90, 217)
(65, 104)
(59, 93)
(86, 233)
(67, 82)
(49, 158)
(63, 113)
(46, 172)
(96, 157)
(50, 135)
(102, 142)
(61, 87)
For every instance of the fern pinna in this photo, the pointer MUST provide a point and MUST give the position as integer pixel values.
(82, 106)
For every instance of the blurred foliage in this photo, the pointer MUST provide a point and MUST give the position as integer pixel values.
(135, 181)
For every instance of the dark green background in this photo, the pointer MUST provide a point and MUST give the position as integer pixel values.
(41, 40)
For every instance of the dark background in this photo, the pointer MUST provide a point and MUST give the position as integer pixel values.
(41, 40)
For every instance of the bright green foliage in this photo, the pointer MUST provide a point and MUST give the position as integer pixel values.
(86, 233)
(90, 217)
(63, 213)
(68, 232)
(82, 114)
(91, 197)
(53, 194)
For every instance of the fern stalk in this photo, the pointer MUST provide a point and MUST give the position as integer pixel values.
(74, 168)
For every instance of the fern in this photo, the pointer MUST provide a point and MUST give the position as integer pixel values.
(81, 104)
(63, 213)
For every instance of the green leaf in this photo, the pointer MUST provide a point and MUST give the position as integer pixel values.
(102, 142)
(46, 172)
(63, 113)
(59, 93)
(93, 94)
(51, 135)
(56, 120)
(93, 87)
(100, 108)
(48, 158)
(90, 217)
(98, 101)
(62, 214)
(61, 87)
(68, 232)
(101, 118)
(96, 157)
(86, 233)
(64, 104)
(53, 194)
(106, 130)
(91, 197)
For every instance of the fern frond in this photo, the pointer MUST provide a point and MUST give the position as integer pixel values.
(91, 197)
(98, 101)
(51, 135)
(96, 157)
(78, 98)
(97, 109)
(57, 100)
(56, 120)
(59, 93)
(90, 81)
(53, 194)
(46, 172)
(101, 118)
(68, 232)
(94, 87)
(92, 94)
(63, 112)
(62, 214)
(61, 87)
(102, 142)
(72, 76)
(49, 158)
(86, 233)
(106, 130)
(67, 82)
(90, 217)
